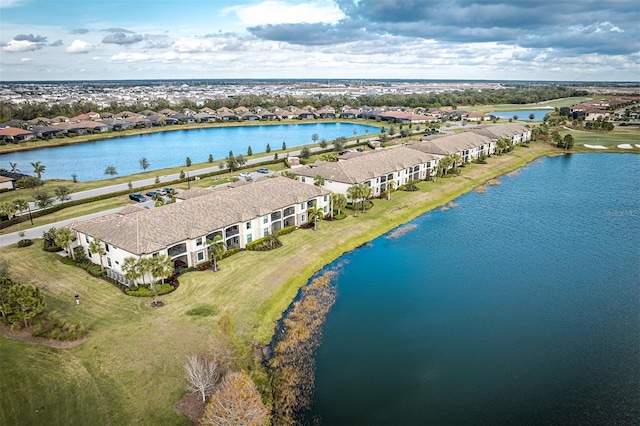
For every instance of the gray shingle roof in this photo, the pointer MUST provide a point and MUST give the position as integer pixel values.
(362, 167)
(147, 231)
(505, 130)
(450, 144)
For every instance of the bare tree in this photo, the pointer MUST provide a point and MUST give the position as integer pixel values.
(236, 402)
(203, 373)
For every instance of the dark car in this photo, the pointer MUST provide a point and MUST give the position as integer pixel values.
(262, 170)
(166, 191)
(153, 193)
(137, 197)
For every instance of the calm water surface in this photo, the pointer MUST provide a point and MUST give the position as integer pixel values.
(170, 149)
(523, 115)
(519, 306)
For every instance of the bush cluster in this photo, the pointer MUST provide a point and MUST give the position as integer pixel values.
(25, 242)
(51, 326)
(145, 290)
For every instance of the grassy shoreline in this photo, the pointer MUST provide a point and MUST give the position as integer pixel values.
(130, 370)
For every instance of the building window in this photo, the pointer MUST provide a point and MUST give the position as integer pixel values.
(265, 219)
(86, 238)
(106, 247)
(109, 261)
(325, 209)
(248, 225)
(249, 238)
(265, 231)
(303, 218)
(302, 179)
(325, 198)
(302, 206)
(199, 241)
(155, 254)
(89, 254)
(200, 256)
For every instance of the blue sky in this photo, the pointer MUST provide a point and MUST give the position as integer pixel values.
(446, 39)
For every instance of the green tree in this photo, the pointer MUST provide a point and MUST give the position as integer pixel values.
(249, 151)
(159, 199)
(391, 185)
(444, 164)
(62, 193)
(64, 238)
(26, 302)
(339, 143)
(268, 148)
(241, 161)
(188, 162)
(318, 180)
(144, 163)
(110, 171)
(29, 182)
(323, 143)
(131, 270)
(6, 308)
(210, 158)
(567, 142)
(74, 177)
(38, 169)
(14, 167)
(289, 174)
(339, 202)
(216, 248)
(22, 205)
(305, 152)
(532, 116)
(42, 198)
(159, 266)
(314, 137)
(95, 247)
(501, 145)
(8, 209)
(315, 213)
(515, 118)
(231, 162)
(284, 145)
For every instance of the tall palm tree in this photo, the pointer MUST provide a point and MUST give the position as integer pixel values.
(14, 167)
(353, 193)
(391, 185)
(339, 202)
(318, 181)
(171, 196)
(38, 169)
(96, 248)
(365, 193)
(159, 199)
(64, 238)
(216, 248)
(159, 266)
(8, 209)
(315, 213)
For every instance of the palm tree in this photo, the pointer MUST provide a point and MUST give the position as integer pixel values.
(144, 163)
(159, 266)
(64, 238)
(14, 167)
(365, 193)
(339, 202)
(38, 169)
(445, 163)
(130, 269)
(457, 160)
(8, 209)
(159, 199)
(353, 193)
(22, 205)
(216, 248)
(318, 181)
(391, 185)
(96, 248)
(171, 196)
(314, 214)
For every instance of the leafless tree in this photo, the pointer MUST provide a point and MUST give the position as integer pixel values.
(236, 402)
(202, 374)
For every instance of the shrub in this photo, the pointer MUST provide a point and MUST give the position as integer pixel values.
(339, 216)
(230, 252)
(48, 239)
(145, 290)
(80, 255)
(25, 243)
(202, 311)
(53, 327)
(287, 230)
(267, 243)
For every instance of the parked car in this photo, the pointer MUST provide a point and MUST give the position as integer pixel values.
(262, 170)
(153, 193)
(137, 197)
(166, 190)
(245, 175)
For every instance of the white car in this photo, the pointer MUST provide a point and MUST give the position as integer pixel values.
(245, 175)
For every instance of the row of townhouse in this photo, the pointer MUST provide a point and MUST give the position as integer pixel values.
(410, 162)
(180, 230)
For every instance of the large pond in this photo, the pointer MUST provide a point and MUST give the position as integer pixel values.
(523, 115)
(169, 149)
(519, 306)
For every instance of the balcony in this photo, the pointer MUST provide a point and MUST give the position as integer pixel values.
(289, 211)
(231, 231)
(177, 249)
(275, 216)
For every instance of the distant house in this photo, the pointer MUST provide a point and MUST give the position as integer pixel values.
(183, 118)
(7, 183)
(478, 116)
(10, 179)
(13, 134)
(206, 117)
(47, 132)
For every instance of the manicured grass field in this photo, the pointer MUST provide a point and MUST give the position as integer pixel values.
(130, 369)
(554, 103)
(618, 136)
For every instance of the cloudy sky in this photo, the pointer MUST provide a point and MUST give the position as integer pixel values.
(424, 39)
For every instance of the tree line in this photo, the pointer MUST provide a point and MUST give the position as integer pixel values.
(514, 95)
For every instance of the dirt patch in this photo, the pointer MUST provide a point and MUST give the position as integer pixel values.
(24, 335)
(191, 406)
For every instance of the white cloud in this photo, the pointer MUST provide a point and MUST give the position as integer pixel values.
(131, 57)
(21, 46)
(278, 12)
(79, 46)
(26, 60)
(11, 3)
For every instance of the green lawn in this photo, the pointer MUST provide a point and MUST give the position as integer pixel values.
(611, 140)
(554, 103)
(130, 370)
